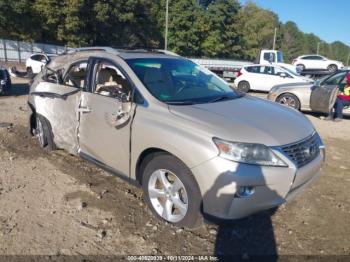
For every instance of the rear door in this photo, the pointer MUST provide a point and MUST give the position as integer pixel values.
(106, 114)
(267, 78)
(58, 99)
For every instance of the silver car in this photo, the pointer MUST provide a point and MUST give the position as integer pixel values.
(193, 144)
(298, 95)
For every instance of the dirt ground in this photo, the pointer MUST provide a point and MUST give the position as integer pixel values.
(52, 203)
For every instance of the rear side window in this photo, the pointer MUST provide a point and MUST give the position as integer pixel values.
(253, 69)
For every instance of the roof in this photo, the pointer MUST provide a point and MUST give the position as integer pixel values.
(82, 53)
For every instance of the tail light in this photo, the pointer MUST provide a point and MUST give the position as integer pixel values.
(239, 73)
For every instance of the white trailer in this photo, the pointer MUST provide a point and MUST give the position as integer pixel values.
(228, 69)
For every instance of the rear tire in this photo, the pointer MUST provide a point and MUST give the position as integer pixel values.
(44, 134)
(332, 68)
(301, 67)
(243, 86)
(289, 100)
(171, 191)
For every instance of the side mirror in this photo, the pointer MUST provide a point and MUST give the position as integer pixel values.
(282, 74)
(317, 83)
(122, 116)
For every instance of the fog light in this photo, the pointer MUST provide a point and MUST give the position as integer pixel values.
(245, 191)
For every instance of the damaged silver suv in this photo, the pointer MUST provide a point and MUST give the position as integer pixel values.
(196, 146)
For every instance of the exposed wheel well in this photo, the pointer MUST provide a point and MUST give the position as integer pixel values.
(287, 93)
(146, 156)
(32, 119)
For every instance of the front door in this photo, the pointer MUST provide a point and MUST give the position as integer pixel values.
(105, 117)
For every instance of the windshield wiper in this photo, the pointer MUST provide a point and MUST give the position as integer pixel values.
(221, 98)
(180, 102)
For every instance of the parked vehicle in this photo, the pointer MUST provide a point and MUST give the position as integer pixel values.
(5, 81)
(317, 62)
(298, 96)
(194, 145)
(228, 69)
(36, 62)
(264, 77)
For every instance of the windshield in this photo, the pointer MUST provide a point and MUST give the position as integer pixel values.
(279, 57)
(180, 81)
(289, 71)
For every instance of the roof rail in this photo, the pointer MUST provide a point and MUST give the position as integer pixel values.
(93, 48)
(166, 52)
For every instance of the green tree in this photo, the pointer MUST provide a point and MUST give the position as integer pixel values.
(221, 37)
(257, 29)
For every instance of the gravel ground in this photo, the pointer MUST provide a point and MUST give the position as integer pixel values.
(53, 203)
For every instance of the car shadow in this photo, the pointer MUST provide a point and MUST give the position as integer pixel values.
(18, 89)
(247, 238)
(322, 115)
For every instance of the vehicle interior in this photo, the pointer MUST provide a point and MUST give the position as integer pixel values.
(76, 75)
(111, 82)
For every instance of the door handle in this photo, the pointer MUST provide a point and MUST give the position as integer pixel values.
(84, 109)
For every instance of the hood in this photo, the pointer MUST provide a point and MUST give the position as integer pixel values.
(247, 119)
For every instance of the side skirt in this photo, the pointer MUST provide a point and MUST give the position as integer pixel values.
(108, 169)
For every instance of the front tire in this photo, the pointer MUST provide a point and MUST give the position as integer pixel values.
(171, 191)
(332, 68)
(44, 134)
(289, 100)
(243, 86)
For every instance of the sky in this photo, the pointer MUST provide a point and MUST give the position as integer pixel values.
(328, 19)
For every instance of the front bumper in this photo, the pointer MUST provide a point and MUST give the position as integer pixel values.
(220, 180)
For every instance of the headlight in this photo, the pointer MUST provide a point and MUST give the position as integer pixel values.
(2, 82)
(255, 154)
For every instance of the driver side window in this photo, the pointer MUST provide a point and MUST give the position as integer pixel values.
(76, 75)
(111, 82)
(334, 80)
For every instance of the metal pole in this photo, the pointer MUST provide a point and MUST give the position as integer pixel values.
(19, 51)
(348, 60)
(318, 47)
(274, 39)
(166, 25)
(5, 50)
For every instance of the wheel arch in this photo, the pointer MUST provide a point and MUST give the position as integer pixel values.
(145, 157)
(289, 93)
(32, 119)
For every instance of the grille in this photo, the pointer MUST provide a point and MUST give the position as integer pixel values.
(303, 152)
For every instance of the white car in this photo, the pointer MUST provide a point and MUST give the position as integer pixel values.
(264, 77)
(36, 62)
(317, 62)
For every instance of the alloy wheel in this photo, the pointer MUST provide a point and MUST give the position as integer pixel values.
(168, 195)
(288, 101)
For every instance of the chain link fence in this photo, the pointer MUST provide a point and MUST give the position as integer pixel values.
(18, 51)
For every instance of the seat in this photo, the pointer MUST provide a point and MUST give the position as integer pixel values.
(157, 82)
(104, 78)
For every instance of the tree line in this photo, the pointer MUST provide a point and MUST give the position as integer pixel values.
(197, 28)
